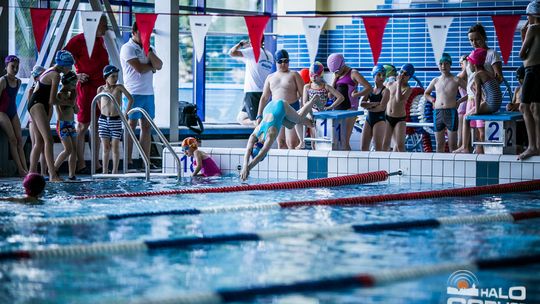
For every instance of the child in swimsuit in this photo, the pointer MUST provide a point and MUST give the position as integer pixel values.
(445, 113)
(109, 122)
(375, 103)
(66, 108)
(33, 184)
(204, 164)
(399, 92)
(318, 91)
(9, 120)
(34, 133)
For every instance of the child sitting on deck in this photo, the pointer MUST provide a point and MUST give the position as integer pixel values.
(66, 108)
(205, 165)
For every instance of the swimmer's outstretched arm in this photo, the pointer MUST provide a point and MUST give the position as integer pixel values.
(270, 138)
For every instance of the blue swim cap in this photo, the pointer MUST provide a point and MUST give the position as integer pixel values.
(281, 54)
(108, 70)
(64, 58)
(37, 70)
(379, 68)
(257, 149)
(446, 58)
(533, 8)
(408, 68)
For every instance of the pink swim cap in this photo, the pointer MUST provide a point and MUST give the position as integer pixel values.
(478, 56)
(316, 69)
(335, 62)
(33, 184)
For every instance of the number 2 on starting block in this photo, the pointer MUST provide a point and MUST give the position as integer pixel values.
(495, 131)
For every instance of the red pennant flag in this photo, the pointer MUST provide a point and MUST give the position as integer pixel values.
(505, 27)
(375, 30)
(40, 19)
(145, 25)
(255, 26)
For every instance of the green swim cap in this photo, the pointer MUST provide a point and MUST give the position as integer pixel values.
(446, 58)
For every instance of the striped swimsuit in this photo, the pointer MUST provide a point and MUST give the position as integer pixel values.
(493, 95)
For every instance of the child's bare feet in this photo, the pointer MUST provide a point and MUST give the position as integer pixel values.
(55, 178)
(300, 146)
(462, 150)
(527, 153)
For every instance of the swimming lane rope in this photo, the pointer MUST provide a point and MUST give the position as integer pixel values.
(360, 280)
(363, 178)
(149, 245)
(352, 201)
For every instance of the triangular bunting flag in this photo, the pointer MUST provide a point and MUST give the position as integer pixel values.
(145, 24)
(312, 28)
(505, 26)
(40, 18)
(255, 26)
(375, 30)
(199, 25)
(438, 32)
(90, 22)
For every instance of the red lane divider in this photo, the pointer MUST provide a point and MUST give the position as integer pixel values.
(364, 178)
(470, 191)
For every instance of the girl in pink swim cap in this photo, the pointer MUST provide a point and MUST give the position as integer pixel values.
(33, 184)
(345, 76)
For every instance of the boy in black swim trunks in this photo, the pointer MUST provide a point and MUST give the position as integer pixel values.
(399, 92)
(445, 114)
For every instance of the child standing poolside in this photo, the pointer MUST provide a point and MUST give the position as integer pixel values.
(66, 108)
(375, 103)
(521, 130)
(318, 91)
(33, 184)
(462, 109)
(205, 165)
(399, 92)
(445, 113)
(530, 96)
(110, 124)
(9, 120)
(34, 133)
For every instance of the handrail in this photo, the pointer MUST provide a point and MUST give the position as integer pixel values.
(127, 128)
(161, 136)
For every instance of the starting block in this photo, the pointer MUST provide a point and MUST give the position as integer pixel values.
(330, 128)
(500, 132)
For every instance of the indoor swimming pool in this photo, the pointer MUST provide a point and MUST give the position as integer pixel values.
(176, 273)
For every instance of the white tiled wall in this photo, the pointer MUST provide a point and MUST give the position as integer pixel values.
(431, 168)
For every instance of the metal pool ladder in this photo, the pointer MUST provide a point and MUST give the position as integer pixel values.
(127, 131)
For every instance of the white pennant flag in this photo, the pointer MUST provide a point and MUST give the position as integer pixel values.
(438, 31)
(313, 28)
(199, 25)
(90, 22)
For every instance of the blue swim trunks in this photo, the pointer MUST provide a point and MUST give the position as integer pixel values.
(65, 128)
(145, 102)
(295, 105)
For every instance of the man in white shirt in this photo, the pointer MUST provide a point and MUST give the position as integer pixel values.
(138, 70)
(256, 73)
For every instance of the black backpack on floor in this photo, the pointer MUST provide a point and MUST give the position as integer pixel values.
(187, 116)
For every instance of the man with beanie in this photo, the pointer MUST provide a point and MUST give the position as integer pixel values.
(255, 75)
(286, 85)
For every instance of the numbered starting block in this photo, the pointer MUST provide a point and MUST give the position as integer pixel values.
(500, 132)
(330, 129)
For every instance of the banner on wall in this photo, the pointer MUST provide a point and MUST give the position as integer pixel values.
(312, 29)
(199, 25)
(40, 19)
(255, 26)
(90, 22)
(438, 32)
(375, 31)
(505, 26)
(145, 24)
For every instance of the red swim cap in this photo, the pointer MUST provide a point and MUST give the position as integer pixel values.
(305, 75)
(33, 184)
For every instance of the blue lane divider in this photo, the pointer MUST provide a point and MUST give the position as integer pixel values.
(361, 280)
(100, 248)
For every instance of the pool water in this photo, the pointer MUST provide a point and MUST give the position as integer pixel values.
(151, 275)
